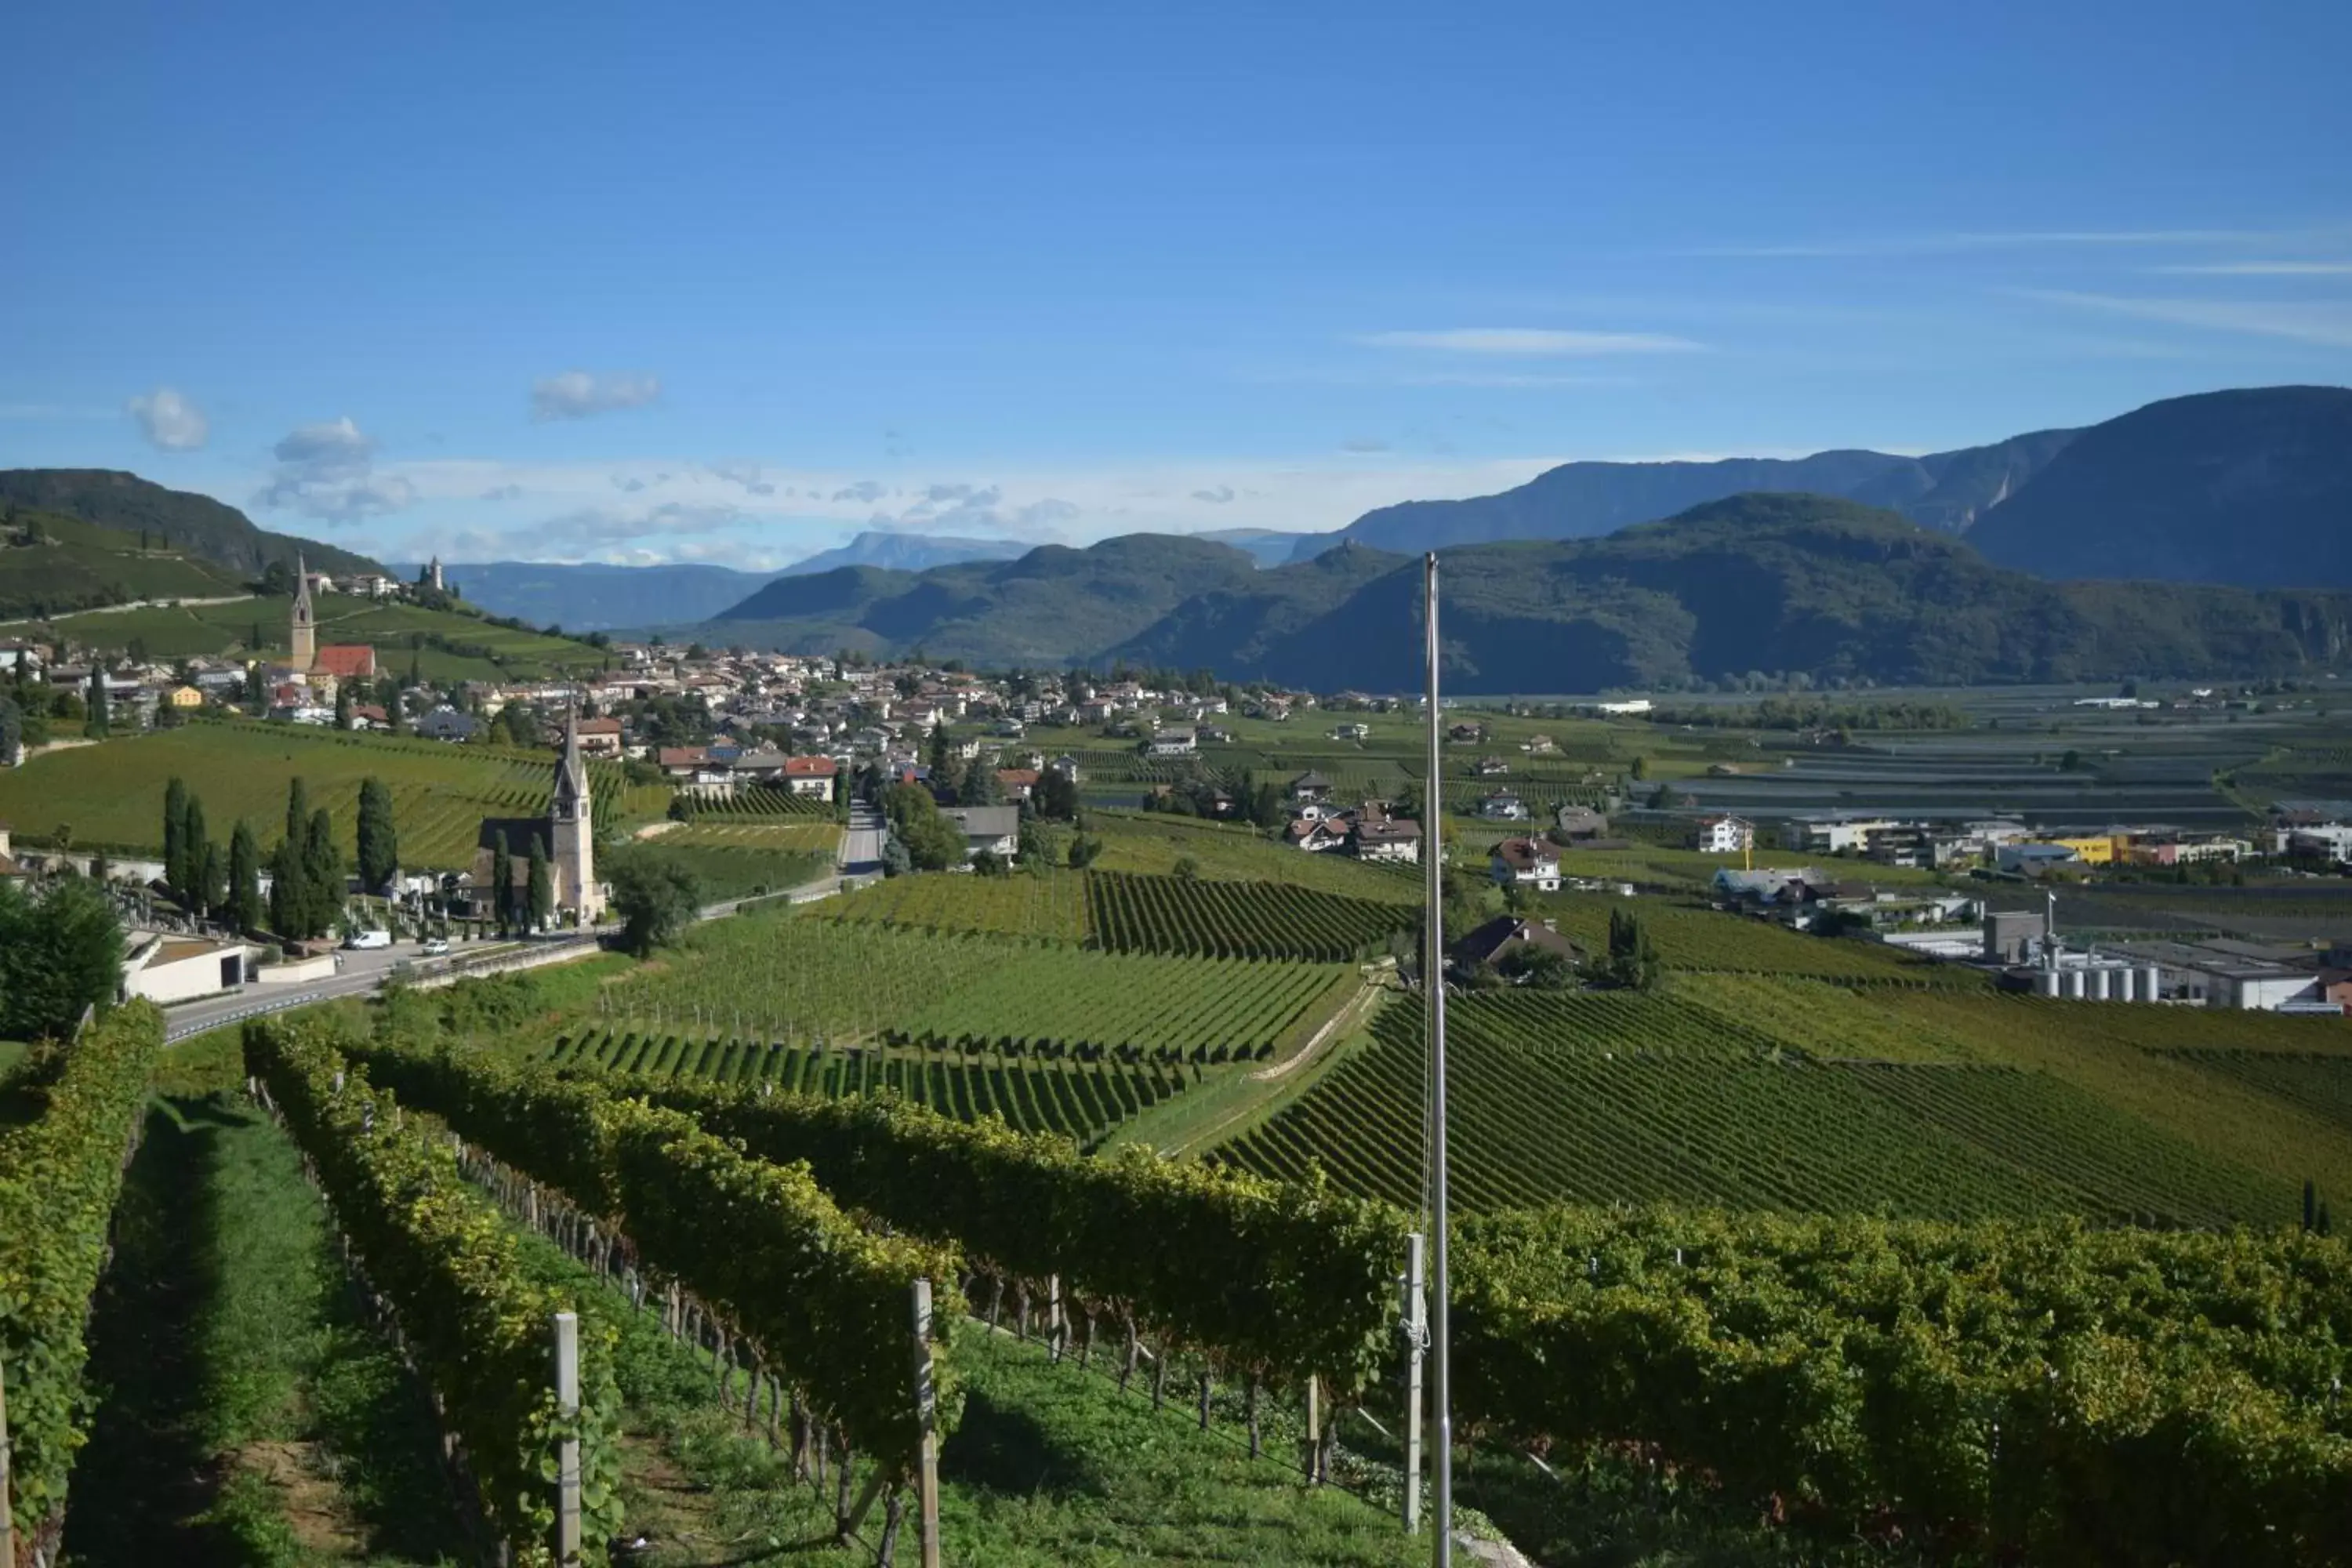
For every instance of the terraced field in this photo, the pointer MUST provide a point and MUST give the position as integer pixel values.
(1707, 942)
(1603, 1098)
(111, 795)
(789, 976)
(1082, 1100)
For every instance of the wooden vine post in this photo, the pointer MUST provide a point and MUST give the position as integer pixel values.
(567, 1453)
(927, 1421)
(1417, 1307)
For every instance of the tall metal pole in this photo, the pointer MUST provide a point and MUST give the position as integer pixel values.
(1432, 985)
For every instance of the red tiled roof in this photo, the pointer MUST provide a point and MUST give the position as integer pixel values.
(810, 767)
(344, 660)
(684, 756)
(600, 726)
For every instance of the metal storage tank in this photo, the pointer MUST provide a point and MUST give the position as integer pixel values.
(2045, 981)
(2097, 980)
(2074, 981)
(2151, 984)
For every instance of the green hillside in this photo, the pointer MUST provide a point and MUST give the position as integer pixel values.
(179, 520)
(444, 644)
(52, 563)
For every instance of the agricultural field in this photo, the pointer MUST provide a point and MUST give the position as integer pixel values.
(1049, 905)
(111, 795)
(756, 801)
(792, 976)
(1150, 843)
(723, 871)
(1127, 913)
(802, 837)
(442, 645)
(79, 563)
(1703, 940)
(1601, 1098)
(1082, 1100)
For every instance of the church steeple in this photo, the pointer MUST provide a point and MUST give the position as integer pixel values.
(304, 638)
(572, 773)
(570, 810)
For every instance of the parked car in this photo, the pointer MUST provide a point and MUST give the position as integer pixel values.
(367, 939)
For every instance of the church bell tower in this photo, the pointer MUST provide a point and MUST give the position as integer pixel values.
(305, 638)
(570, 811)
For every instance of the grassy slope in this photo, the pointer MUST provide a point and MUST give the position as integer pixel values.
(249, 1417)
(112, 794)
(393, 630)
(81, 564)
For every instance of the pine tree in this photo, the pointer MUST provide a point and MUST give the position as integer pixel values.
(542, 885)
(196, 845)
(379, 844)
(323, 873)
(502, 884)
(212, 882)
(100, 724)
(175, 838)
(245, 907)
(980, 785)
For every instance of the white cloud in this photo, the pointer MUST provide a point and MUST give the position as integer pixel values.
(577, 393)
(2262, 269)
(1222, 496)
(169, 419)
(1531, 341)
(2327, 322)
(327, 471)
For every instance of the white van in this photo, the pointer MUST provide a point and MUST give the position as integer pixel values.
(367, 939)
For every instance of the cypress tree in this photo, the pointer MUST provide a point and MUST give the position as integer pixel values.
(322, 872)
(212, 882)
(195, 844)
(298, 810)
(175, 842)
(379, 844)
(245, 909)
(342, 705)
(99, 724)
(502, 883)
(542, 885)
(290, 902)
(2310, 1202)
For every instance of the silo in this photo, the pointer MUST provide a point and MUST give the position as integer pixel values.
(2096, 980)
(2045, 981)
(2073, 983)
(2151, 984)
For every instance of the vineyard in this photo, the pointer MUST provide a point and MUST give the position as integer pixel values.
(1704, 939)
(1129, 913)
(1050, 906)
(789, 977)
(1608, 1098)
(761, 800)
(807, 837)
(1084, 1101)
(1151, 843)
(111, 796)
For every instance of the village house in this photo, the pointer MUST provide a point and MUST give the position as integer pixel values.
(1386, 838)
(1502, 805)
(810, 775)
(1526, 863)
(600, 738)
(1506, 936)
(1017, 785)
(1179, 741)
(988, 829)
(1490, 767)
(1310, 786)
(1723, 834)
(1316, 834)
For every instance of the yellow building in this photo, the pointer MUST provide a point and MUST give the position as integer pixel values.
(184, 697)
(2102, 850)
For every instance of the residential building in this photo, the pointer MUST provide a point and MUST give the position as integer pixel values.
(600, 737)
(1723, 834)
(1386, 838)
(988, 829)
(810, 775)
(1505, 935)
(1018, 784)
(1526, 863)
(1175, 742)
(1310, 786)
(1502, 805)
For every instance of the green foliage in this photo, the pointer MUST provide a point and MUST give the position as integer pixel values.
(98, 724)
(1633, 962)
(2042, 1392)
(175, 838)
(60, 1172)
(540, 885)
(827, 1302)
(933, 842)
(478, 1330)
(197, 863)
(59, 953)
(378, 836)
(246, 908)
(1233, 919)
(655, 903)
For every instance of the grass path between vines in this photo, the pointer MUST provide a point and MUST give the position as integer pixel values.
(246, 1416)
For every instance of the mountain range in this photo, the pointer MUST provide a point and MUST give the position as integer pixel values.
(1762, 582)
(192, 524)
(590, 596)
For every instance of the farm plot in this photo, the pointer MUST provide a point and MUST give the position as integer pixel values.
(762, 800)
(1153, 844)
(111, 795)
(1081, 1101)
(1705, 939)
(1129, 913)
(1601, 1098)
(1051, 906)
(2319, 1085)
(792, 976)
(806, 837)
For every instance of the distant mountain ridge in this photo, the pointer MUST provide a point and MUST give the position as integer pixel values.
(1767, 581)
(905, 552)
(1947, 490)
(591, 597)
(194, 524)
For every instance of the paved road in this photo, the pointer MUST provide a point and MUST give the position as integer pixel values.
(364, 972)
(861, 846)
(138, 605)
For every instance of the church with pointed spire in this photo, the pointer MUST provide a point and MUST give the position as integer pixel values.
(344, 661)
(566, 835)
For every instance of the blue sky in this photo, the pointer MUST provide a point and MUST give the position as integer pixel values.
(732, 282)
